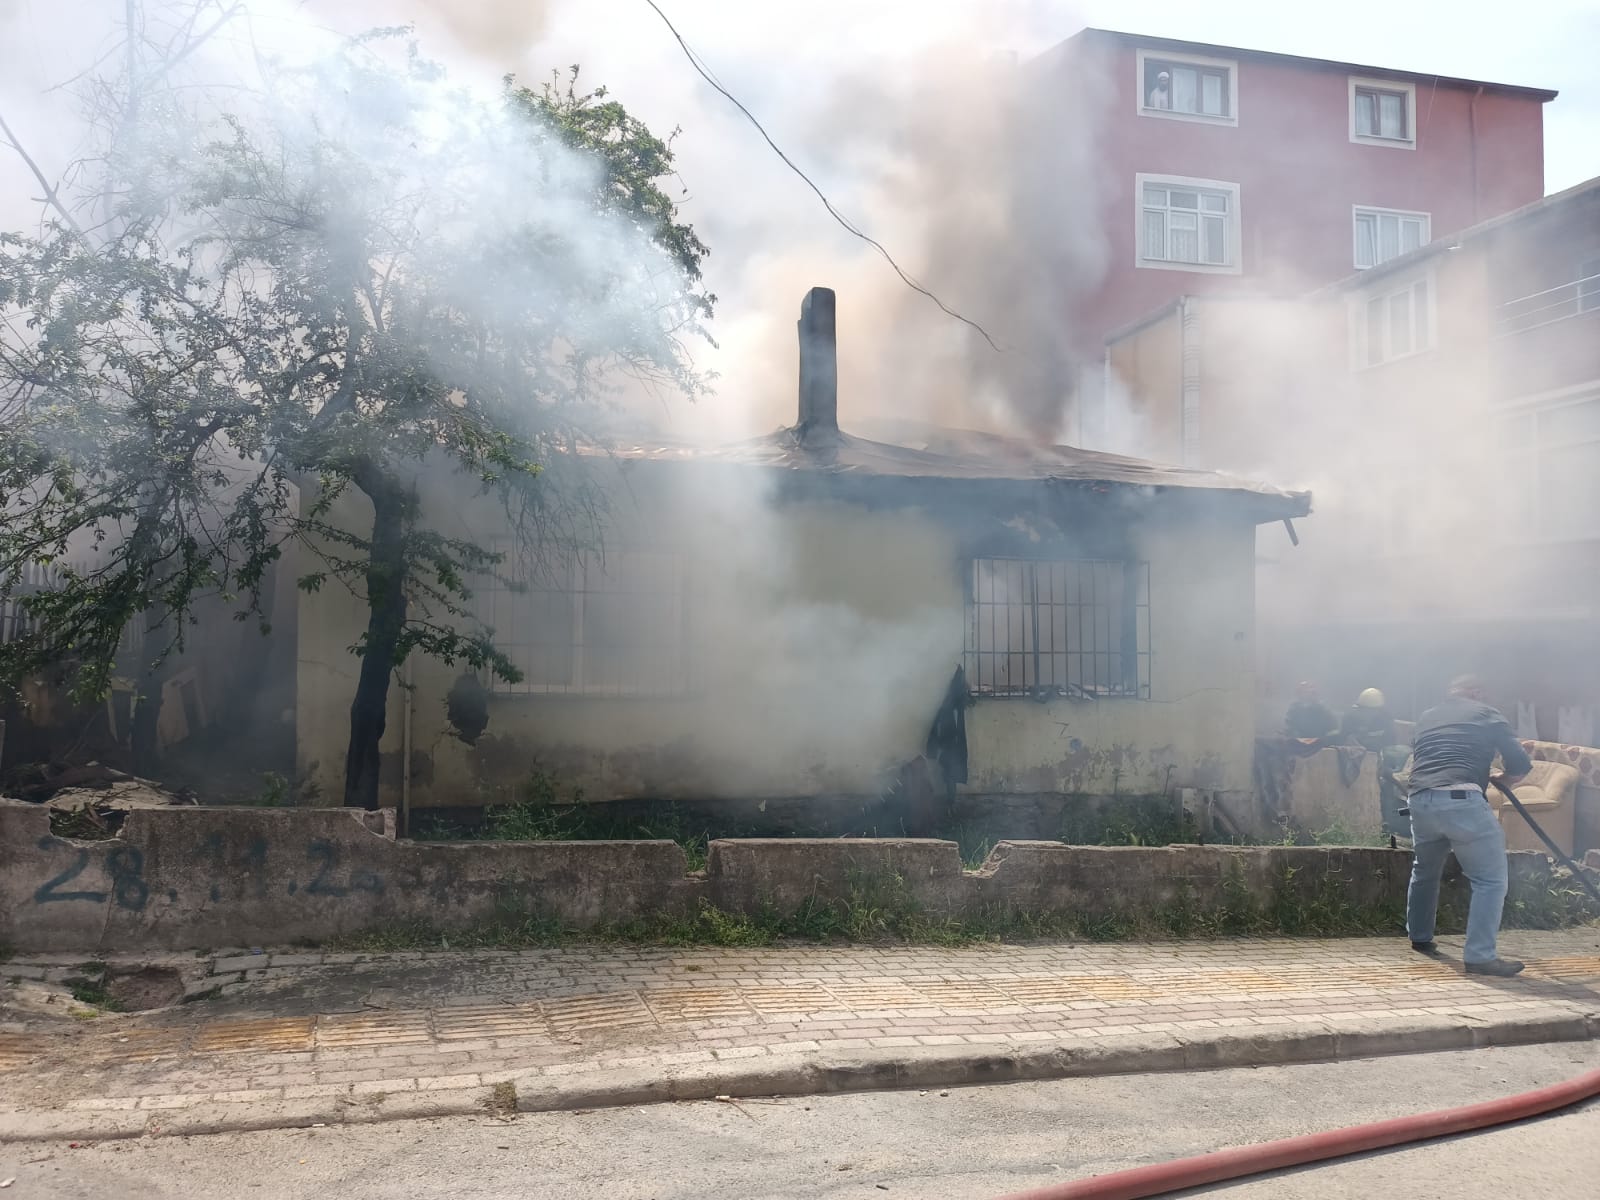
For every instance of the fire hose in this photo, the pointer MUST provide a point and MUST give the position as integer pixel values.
(1560, 855)
(1180, 1174)
(1162, 1178)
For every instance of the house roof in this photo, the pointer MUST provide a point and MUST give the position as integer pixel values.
(1586, 192)
(1182, 47)
(928, 452)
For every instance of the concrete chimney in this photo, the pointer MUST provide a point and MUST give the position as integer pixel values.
(819, 364)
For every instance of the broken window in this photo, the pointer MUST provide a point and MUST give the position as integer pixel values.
(608, 625)
(1078, 628)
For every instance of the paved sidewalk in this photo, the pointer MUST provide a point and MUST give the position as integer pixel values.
(298, 1038)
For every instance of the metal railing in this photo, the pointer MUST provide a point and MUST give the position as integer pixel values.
(17, 622)
(1549, 306)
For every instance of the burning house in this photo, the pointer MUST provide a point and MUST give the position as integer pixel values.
(782, 620)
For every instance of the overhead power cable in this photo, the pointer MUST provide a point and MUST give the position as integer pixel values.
(706, 74)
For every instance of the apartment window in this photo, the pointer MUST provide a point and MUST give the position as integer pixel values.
(1393, 324)
(1549, 455)
(602, 625)
(1188, 224)
(1188, 88)
(1382, 234)
(1383, 113)
(1078, 628)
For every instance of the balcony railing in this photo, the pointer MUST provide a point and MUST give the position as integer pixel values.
(1549, 306)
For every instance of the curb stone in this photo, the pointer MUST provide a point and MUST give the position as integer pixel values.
(925, 1067)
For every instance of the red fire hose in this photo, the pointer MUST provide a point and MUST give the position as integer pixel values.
(1162, 1178)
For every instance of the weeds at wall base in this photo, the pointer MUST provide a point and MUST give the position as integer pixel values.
(543, 812)
(882, 911)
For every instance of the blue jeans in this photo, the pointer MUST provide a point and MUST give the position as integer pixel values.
(1441, 823)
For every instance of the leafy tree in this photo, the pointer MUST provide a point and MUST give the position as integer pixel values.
(353, 274)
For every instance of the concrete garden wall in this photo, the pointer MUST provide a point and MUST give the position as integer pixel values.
(203, 878)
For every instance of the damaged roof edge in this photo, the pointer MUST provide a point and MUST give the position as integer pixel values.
(962, 458)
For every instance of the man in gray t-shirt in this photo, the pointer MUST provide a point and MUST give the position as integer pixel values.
(1454, 747)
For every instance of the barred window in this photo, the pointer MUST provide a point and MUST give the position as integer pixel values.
(1079, 628)
(605, 625)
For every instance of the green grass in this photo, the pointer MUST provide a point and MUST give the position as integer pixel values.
(883, 910)
(1129, 821)
(542, 815)
(90, 987)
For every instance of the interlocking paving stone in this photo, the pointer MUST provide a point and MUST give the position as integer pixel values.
(390, 1028)
(614, 1010)
(471, 1021)
(271, 1033)
(695, 1003)
(146, 1045)
(466, 1023)
(17, 1050)
(800, 998)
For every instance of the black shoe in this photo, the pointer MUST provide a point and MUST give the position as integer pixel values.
(1428, 947)
(1504, 967)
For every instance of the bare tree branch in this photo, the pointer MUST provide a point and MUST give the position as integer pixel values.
(51, 196)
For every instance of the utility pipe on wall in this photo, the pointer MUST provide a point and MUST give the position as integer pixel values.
(1472, 145)
(405, 749)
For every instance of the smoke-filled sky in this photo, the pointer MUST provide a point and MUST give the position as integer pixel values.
(888, 106)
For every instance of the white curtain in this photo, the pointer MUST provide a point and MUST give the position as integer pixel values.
(1391, 115)
(1367, 240)
(1185, 89)
(1366, 114)
(1575, 726)
(1527, 725)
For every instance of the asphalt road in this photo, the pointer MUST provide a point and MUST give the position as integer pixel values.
(973, 1143)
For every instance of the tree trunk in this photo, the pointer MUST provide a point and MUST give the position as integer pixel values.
(143, 741)
(393, 510)
(144, 744)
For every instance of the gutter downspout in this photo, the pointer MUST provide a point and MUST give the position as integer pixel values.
(1189, 380)
(405, 749)
(1472, 136)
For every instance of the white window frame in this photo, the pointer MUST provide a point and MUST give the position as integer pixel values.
(1407, 90)
(1367, 210)
(1235, 224)
(1141, 97)
(1390, 291)
(1524, 462)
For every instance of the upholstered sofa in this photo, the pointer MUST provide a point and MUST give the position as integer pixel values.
(1584, 824)
(1550, 794)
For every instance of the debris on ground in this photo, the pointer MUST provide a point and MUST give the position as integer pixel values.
(70, 786)
(89, 801)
